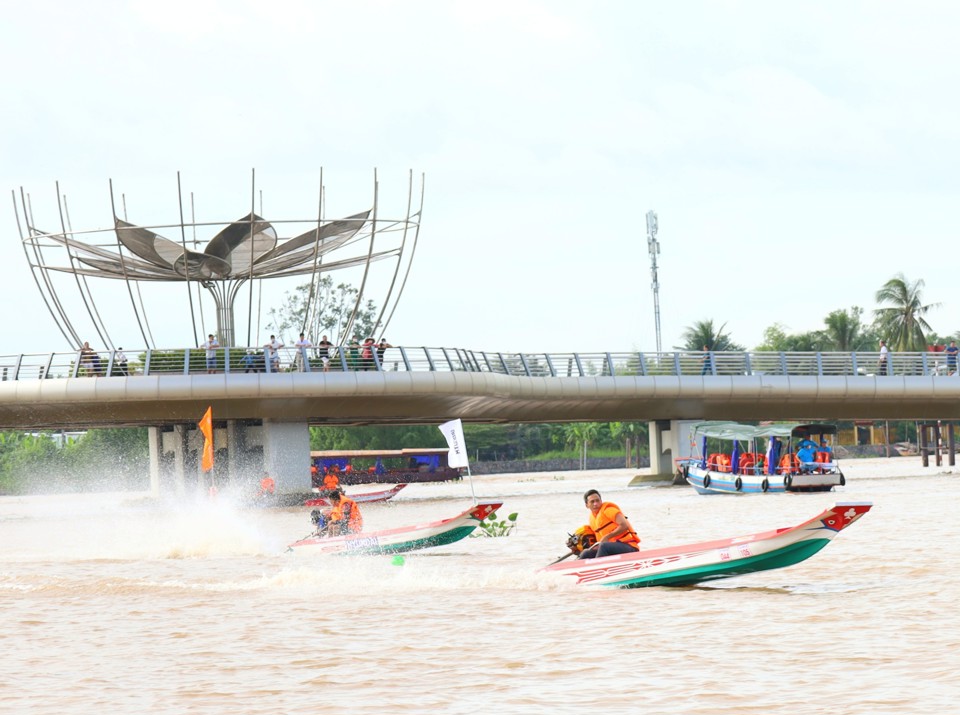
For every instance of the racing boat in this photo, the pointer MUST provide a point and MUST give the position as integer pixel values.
(404, 538)
(694, 563)
(365, 498)
(731, 460)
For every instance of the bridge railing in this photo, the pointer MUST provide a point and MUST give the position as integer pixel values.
(193, 361)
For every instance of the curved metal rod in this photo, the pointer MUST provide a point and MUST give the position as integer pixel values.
(310, 308)
(396, 271)
(413, 250)
(253, 206)
(33, 269)
(86, 285)
(76, 276)
(186, 272)
(41, 265)
(366, 270)
(123, 266)
(193, 226)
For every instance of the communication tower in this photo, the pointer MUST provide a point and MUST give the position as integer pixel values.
(653, 247)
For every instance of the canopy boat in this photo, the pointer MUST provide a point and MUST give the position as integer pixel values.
(796, 459)
(694, 563)
(404, 538)
(365, 498)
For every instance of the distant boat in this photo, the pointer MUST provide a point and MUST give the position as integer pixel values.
(710, 560)
(365, 498)
(404, 538)
(386, 466)
(793, 460)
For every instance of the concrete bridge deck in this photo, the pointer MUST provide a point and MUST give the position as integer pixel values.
(423, 385)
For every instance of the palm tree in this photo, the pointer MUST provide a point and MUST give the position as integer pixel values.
(702, 333)
(903, 323)
(844, 331)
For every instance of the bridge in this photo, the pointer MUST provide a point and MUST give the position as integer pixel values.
(264, 408)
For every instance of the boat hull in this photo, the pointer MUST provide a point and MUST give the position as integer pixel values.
(368, 498)
(400, 540)
(696, 563)
(707, 481)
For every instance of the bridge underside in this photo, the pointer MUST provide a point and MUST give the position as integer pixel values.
(397, 398)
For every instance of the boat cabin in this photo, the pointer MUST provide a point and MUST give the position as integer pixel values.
(367, 466)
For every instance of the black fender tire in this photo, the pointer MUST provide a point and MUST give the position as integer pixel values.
(706, 481)
(843, 481)
(787, 481)
(738, 484)
(764, 485)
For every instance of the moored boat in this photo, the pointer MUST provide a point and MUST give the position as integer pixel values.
(710, 560)
(366, 498)
(732, 461)
(401, 539)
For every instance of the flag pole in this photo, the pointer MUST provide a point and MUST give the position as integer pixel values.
(457, 456)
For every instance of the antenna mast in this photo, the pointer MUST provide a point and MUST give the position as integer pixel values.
(653, 247)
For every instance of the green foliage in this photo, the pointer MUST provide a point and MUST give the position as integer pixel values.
(99, 459)
(703, 333)
(903, 323)
(492, 527)
(319, 308)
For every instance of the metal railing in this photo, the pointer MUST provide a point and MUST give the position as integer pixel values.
(240, 360)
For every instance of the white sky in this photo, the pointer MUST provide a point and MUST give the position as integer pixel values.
(797, 155)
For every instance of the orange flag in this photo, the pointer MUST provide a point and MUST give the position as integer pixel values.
(206, 427)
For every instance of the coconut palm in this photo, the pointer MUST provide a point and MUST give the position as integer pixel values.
(902, 324)
(844, 330)
(703, 333)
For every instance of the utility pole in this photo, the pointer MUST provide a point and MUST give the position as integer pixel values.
(653, 247)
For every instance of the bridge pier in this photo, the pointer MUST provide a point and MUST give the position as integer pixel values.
(244, 450)
(669, 440)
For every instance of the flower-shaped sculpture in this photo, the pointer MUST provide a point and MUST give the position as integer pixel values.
(245, 248)
(241, 251)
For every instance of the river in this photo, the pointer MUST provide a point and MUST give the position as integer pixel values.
(115, 603)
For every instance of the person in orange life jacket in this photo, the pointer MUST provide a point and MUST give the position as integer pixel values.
(615, 534)
(345, 515)
(267, 485)
(331, 479)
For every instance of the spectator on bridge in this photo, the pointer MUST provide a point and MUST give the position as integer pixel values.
(271, 353)
(249, 362)
(353, 353)
(707, 362)
(89, 360)
(952, 351)
(615, 534)
(211, 345)
(326, 350)
(366, 356)
(120, 360)
(301, 345)
(884, 358)
(381, 350)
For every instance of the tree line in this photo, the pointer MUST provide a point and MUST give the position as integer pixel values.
(900, 318)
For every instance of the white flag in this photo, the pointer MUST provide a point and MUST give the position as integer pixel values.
(453, 433)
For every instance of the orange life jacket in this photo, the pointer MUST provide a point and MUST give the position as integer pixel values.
(789, 463)
(267, 485)
(331, 481)
(605, 521)
(347, 509)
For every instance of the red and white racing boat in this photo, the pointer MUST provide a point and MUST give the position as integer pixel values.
(404, 538)
(693, 563)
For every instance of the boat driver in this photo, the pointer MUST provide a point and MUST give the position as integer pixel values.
(615, 534)
(345, 515)
(807, 455)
